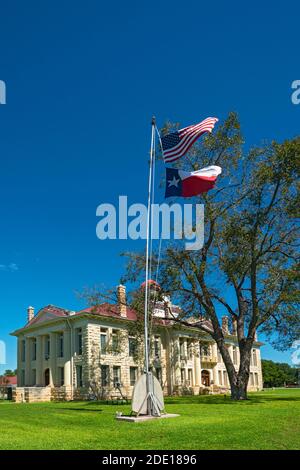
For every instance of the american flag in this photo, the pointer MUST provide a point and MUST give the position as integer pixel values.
(177, 144)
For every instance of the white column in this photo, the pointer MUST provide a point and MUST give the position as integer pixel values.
(260, 377)
(39, 361)
(215, 378)
(197, 365)
(20, 364)
(185, 347)
(52, 361)
(176, 356)
(27, 362)
(214, 353)
(67, 357)
(200, 363)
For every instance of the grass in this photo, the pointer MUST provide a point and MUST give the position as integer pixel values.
(268, 420)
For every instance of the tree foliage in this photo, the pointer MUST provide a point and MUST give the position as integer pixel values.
(249, 264)
(276, 374)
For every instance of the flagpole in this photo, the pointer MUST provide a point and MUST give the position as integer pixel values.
(148, 245)
(148, 234)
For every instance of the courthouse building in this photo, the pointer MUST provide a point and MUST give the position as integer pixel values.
(65, 355)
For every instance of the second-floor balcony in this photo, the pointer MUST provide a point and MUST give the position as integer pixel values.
(208, 359)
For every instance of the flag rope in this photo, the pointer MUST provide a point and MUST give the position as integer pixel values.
(151, 213)
(160, 239)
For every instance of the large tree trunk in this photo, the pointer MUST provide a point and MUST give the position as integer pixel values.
(240, 382)
(239, 389)
(238, 379)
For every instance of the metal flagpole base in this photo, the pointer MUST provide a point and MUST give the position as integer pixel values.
(147, 396)
(147, 401)
(142, 418)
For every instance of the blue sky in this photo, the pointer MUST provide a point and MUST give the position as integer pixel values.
(83, 80)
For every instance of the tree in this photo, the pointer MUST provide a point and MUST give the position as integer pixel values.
(10, 373)
(276, 374)
(248, 266)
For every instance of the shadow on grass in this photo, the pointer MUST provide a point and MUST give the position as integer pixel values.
(220, 400)
(190, 400)
(79, 409)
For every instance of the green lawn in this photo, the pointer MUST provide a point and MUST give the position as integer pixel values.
(269, 420)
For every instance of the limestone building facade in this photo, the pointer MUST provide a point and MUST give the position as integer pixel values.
(92, 353)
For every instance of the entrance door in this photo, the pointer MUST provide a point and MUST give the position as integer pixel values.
(205, 378)
(47, 377)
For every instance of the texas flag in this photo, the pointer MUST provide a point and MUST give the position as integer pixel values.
(188, 184)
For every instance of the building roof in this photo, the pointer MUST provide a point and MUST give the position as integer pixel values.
(48, 313)
(7, 380)
(108, 310)
(52, 313)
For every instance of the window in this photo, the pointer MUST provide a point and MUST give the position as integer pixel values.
(61, 376)
(234, 355)
(117, 376)
(23, 348)
(190, 376)
(34, 350)
(256, 379)
(254, 362)
(182, 349)
(103, 340)
(182, 375)
(22, 377)
(156, 346)
(205, 350)
(132, 346)
(47, 348)
(251, 379)
(79, 381)
(60, 349)
(104, 376)
(115, 341)
(220, 377)
(225, 379)
(133, 375)
(78, 333)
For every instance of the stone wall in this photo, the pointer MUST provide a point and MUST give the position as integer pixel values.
(180, 362)
(61, 393)
(31, 394)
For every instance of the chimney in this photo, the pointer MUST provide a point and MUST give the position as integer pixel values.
(225, 325)
(234, 326)
(121, 295)
(30, 314)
